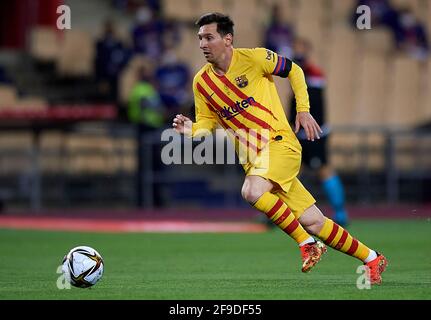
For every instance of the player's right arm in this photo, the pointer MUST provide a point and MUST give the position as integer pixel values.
(205, 119)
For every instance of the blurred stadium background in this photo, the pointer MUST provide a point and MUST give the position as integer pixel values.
(68, 141)
(74, 155)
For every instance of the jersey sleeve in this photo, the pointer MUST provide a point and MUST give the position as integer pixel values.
(271, 63)
(206, 120)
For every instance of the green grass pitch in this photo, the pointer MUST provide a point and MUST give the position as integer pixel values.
(216, 266)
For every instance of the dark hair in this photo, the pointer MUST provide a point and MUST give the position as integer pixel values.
(224, 22)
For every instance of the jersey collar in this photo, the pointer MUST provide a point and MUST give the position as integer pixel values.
(232, 62)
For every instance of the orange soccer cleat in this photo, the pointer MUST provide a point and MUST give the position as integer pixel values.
(376, 268)
(311, 254)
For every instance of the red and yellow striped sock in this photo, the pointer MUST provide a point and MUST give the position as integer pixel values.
(280, 214)
(338, 238)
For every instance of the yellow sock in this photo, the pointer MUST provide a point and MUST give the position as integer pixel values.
(279, 213)
(338, 238)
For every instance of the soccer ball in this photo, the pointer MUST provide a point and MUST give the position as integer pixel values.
(82, 267)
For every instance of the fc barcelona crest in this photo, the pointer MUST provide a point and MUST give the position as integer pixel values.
(241, 81)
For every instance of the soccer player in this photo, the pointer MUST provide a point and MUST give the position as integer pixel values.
(236, 90)
(314, 154)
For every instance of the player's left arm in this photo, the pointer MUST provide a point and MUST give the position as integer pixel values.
(283, 67)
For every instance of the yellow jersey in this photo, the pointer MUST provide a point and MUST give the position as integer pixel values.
(244, 100)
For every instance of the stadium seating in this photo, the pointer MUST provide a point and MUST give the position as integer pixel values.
(372, 82)
(184, 10)
(379, 40)
(76, 55)
(341, 11)
(402, 108)
(81, 153)
(342, 67)
(31, 103)
(8, 96)
(325, 23)
(415, 5)
(210, 6)
(16, 143)
(44, 44)
(425, 93)
(426, 14)
(365, 78)
(95, 161)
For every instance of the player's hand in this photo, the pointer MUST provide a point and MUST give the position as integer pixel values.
(182, 124)
(306, 120)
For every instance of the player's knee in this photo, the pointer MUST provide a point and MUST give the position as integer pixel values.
(251, 193)
(254, 187)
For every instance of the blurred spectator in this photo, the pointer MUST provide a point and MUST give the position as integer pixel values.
(413, 36)
(408, 33)
(4, 77)
(145, 106)
(382, 14)
(111, 57)
(173, 78)
(314, 153)
(154, 5)
(146, 110)
(147, 34)
(132, 5)
(279, 35)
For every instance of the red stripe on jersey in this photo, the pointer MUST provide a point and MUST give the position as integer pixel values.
(214, 105)
(353, 247)
(229, 102)
(291, 227)
(237, 136)
(342, 240)
(206, 95)
(242, 95)
(275, 208)
(234, 120)
(283, 216)
(223, 123)
(333, 233)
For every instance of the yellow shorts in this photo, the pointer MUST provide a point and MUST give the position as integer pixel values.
(280, 163)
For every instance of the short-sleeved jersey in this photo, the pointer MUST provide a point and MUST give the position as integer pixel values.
(245, 98)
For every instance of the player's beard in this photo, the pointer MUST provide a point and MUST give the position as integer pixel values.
(209, 57)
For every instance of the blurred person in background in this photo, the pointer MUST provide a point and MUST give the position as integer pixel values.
(147, 33)
(173, 80)
(279, 35)
(146, 110)
(315, 154)
(111, 57)
(408, 32)
(132, 5)
(236, 90)
(413, 37)
(4, 76)
(382, 14)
